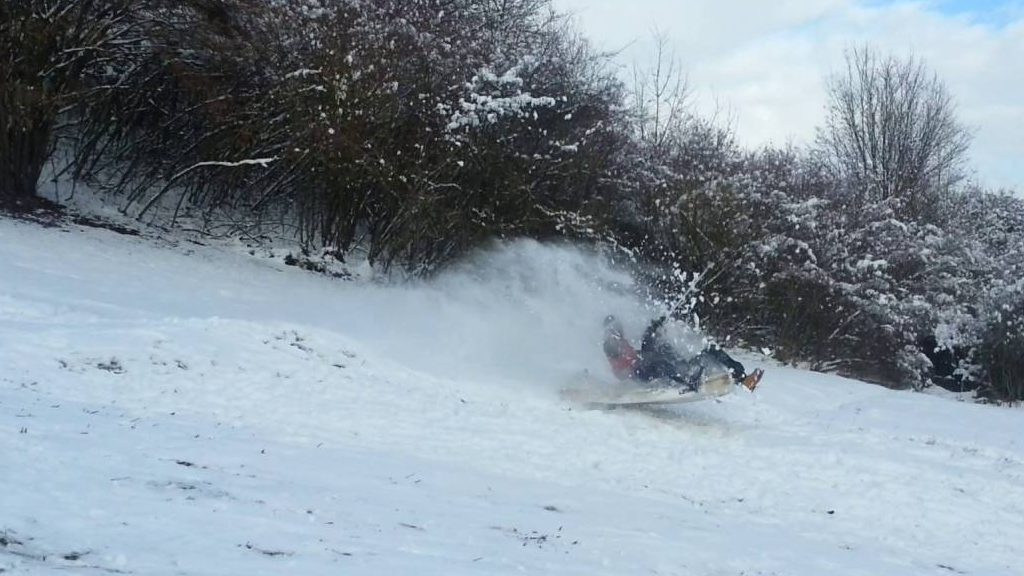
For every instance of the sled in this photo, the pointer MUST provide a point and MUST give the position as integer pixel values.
(589, 390)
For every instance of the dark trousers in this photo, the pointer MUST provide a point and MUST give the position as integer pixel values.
(656, 365)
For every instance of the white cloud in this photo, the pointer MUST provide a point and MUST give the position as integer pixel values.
(765, 61)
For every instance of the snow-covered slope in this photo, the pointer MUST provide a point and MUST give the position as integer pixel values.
(170, 408)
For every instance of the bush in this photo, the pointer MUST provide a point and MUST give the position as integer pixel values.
(412, 130)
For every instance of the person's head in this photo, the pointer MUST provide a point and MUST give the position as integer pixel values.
(613, 327)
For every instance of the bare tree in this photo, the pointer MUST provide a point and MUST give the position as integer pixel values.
(891, 132)
(661, 98)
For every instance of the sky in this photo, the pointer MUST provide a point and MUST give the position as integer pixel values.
(762, 64)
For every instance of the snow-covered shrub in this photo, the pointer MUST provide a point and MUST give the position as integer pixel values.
(421, 129)
(191, 114)
(897, 301)
(50, 56)
(414, 130)
(1000, 348)
(992, 334)
(791, 269)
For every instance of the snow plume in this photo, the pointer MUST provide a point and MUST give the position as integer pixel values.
(522, 313)
(519, 312)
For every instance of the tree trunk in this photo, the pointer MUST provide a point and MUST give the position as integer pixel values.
(25, 131)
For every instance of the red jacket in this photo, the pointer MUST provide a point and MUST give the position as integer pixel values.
(622, 357)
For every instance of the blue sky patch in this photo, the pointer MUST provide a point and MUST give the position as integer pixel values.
(992, 12)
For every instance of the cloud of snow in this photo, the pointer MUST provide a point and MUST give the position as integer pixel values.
(521, 312)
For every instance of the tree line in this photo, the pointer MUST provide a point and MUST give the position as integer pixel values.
(417, 130)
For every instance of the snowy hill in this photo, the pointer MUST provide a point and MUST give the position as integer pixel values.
(173, 408)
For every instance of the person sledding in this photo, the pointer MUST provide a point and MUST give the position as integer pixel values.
(657, 360)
